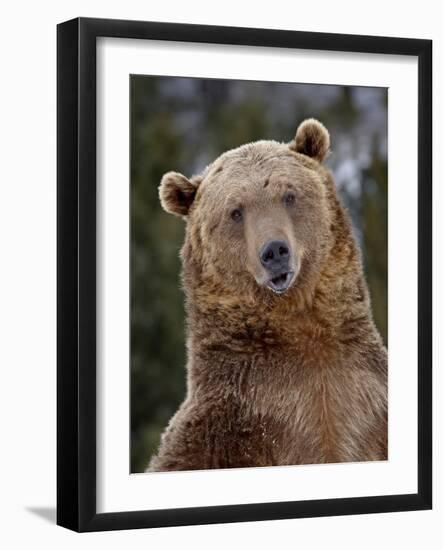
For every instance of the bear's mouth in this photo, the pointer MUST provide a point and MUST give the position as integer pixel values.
(280, 283)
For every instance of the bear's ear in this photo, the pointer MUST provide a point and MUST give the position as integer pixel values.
(177, 193)
(311, 139)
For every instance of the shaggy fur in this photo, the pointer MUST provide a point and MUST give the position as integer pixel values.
(297, 378)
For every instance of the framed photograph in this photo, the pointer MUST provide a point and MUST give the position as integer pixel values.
(244, 274)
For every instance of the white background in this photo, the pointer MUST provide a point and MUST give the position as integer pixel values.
(27, 289)
(117, 490)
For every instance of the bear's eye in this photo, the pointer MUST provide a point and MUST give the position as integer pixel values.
(289, 198)
(237, 214)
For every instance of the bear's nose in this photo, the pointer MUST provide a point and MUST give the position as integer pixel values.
(275, 255)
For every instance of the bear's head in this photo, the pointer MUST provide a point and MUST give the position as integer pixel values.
(259, 219)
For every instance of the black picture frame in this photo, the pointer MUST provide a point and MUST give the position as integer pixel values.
(76, 273)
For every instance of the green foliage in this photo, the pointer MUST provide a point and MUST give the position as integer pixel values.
(182, 124)
(374, 225)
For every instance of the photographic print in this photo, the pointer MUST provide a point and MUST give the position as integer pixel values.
(258, 273)
(228, 347)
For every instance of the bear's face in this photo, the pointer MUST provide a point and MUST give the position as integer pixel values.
(258, 219)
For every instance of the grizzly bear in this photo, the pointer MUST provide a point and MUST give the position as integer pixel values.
(285, 365)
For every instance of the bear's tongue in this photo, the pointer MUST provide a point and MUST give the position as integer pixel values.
(280, 283)
(280, 280)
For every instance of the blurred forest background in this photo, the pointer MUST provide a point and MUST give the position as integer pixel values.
(183, 124)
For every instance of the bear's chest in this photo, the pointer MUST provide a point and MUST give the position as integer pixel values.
(321, 412)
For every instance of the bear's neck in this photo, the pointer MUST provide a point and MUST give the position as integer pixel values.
(334, 306)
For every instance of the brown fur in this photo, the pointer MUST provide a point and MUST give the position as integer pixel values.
(312, 139)
(297, 378)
